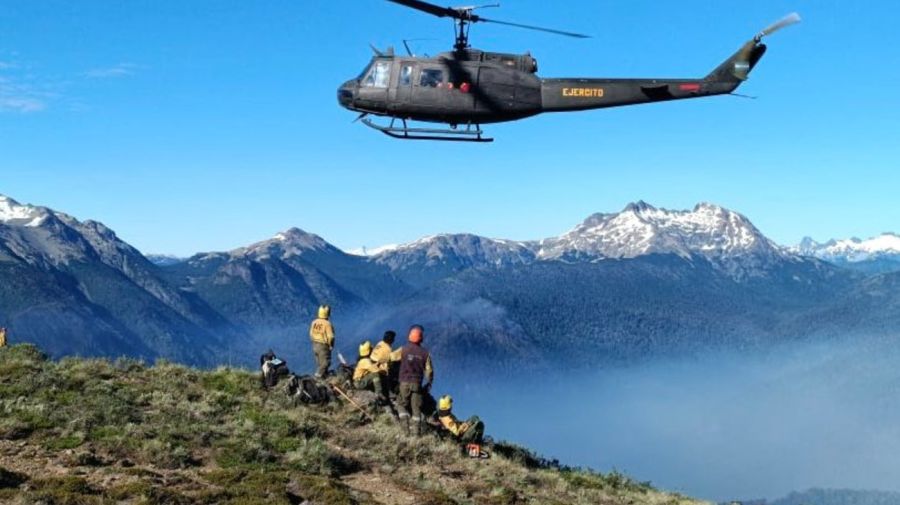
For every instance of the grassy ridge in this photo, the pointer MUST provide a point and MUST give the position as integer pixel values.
(88, 431)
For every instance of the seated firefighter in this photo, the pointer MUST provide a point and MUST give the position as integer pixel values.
(272, 368)
(469, 432)
(368, 374)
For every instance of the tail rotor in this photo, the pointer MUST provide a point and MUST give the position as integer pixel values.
(791, 19)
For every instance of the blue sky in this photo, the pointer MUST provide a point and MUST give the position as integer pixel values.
(206, 125)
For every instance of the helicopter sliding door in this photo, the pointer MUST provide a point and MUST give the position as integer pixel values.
(429, 90)
(401, 94)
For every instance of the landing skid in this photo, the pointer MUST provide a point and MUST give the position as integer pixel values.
(471, 133)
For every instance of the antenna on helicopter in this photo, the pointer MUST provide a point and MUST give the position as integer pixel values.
(409, 50)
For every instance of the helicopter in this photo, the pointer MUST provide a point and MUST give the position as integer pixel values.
(467, 87)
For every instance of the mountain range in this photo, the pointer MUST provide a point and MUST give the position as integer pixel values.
(875, 255)
(621, 285)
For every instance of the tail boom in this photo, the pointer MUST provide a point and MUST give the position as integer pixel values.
(558, 95)
(581, 94)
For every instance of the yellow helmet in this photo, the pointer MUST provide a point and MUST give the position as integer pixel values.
(445, 403)
(324, 311)
(365, 349)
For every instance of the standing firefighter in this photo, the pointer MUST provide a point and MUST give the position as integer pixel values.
(385, 356)
(321, 333)
(469, 432)
(2, 337)
(415, 365)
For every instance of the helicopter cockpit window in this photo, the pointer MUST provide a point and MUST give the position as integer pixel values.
(378, 75)
(406, 75)
(431, 78)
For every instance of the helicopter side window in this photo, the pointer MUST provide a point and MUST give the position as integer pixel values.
(431, 78)
(378, 76)
(406, 75)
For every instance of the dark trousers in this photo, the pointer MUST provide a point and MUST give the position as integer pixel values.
(323, 358)
(372, 382)
(410, 401)
(475, 432)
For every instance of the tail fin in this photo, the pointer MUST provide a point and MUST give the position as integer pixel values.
(736, 69)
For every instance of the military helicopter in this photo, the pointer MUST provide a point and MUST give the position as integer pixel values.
(467, 87)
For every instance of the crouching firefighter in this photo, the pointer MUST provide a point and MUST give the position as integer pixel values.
(369, 374)
(468, 432)
(415, 365)
(321, 333)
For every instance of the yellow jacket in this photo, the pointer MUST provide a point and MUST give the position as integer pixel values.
(451, 423)
(382, 353)
(364, 367)
(2, 337)
(322, 332)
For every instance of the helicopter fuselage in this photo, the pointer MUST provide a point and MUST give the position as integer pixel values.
(478, 87)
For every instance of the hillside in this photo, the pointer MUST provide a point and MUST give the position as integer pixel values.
(95, 431)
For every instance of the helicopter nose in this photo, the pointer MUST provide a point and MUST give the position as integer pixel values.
(345, 94)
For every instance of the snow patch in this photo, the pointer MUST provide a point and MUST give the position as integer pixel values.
(374, 251)
(11, 210)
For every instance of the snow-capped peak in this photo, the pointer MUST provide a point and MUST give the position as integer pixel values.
(463, 249)
(291, 242)
(373, 251)
(851, 250)
(640, 228)
(12, 212)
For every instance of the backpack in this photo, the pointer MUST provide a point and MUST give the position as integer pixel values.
(345, 374)
(306, 389)
(272, 369)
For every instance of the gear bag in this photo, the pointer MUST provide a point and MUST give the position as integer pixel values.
(477, 451)
(306, 389)
(345, 373)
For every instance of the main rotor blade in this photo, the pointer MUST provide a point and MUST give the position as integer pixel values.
(786, 21)
(530, 27)
(434, 10)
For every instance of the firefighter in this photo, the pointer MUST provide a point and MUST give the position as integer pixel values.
(383, 354)
(321, 333)
(368, 373)
(468, 432)
(415, 365)
(2, 337)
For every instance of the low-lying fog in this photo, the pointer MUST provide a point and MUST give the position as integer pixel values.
(721, 426)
